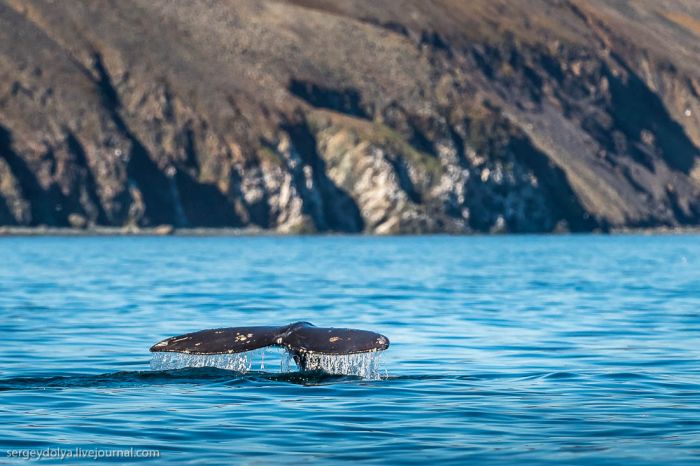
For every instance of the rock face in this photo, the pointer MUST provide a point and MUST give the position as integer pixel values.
(403, 116)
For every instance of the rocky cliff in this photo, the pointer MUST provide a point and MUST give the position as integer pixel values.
(406, 116)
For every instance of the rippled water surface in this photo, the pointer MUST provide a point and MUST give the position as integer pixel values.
(505, 350)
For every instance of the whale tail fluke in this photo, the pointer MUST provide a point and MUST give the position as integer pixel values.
(301, 339)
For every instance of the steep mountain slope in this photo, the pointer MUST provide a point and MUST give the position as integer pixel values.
(354, 116)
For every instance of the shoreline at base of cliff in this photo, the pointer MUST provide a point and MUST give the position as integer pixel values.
(169, 230)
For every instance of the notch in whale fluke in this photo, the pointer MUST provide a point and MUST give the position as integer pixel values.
(300, 338)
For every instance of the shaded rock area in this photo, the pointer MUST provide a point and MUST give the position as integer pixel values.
(354, 116)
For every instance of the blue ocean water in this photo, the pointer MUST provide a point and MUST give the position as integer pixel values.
(505, 350)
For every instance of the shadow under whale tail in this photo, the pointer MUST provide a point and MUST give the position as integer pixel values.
(301, 339)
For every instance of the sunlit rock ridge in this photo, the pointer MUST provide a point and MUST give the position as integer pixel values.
(401, 116)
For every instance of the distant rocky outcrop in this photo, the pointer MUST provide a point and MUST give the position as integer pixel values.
(406, 116)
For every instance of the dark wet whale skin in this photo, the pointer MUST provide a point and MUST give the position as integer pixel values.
(300, 338)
